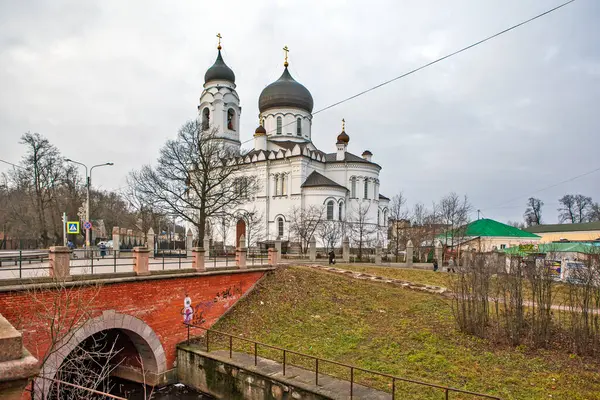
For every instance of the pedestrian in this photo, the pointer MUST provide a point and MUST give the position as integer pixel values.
(451, 265)
(102, 248)
(435, 265)
(331, 257)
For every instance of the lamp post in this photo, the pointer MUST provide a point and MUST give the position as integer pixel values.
(88, 179)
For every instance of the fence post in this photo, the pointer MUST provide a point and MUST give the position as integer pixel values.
(278, 248)
(273, 257)
(312, 249)
(21, 263)
(409, 253)
(284, 362)
(198, 259)
(351, 381)
(59, 257)
(141, 260)
(241, 253)
(346, 249)
(316, 371)
(255, 354)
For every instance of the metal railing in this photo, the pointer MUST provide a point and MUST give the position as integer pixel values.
(169, 257)
(446, 389)
(96, 258)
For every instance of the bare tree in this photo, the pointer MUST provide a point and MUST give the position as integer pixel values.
(574, 208)
(330, 233)
(533, 213)
(304, 222)
(38, 180)
(399, 223)
(255, 225)
(361, 227)
(516, 224)
(454, 212)
(196, 178)
(594, 214)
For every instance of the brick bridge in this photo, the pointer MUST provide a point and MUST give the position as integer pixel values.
(144, 308)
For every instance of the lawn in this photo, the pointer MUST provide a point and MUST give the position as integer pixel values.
(400, 332)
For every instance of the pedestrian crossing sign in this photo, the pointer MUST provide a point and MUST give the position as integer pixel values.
(72, 227)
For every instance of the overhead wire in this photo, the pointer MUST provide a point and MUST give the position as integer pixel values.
(546, 188)
(431, 62)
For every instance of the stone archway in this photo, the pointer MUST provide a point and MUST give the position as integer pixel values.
(145, 340)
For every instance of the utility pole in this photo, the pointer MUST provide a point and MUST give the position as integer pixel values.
(478, 211)
(88, 180)
(64, 222)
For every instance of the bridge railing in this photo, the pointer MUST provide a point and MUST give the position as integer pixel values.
(445, 390)
(17, 263)
(98, 261)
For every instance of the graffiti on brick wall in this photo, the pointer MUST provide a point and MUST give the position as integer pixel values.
(195, 314)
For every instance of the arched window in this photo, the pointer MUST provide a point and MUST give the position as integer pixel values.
(279, 125)
(330, 210)
(283, 185)
(384, 223)
(353, 187)
(341, 211)
(280, 227)
(205, 118)
(276, 180)
(230, 119)
(366, 194)
(299, 127)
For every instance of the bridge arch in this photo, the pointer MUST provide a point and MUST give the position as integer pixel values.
(142, 336)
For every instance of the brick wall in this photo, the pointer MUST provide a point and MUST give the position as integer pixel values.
(158, 302)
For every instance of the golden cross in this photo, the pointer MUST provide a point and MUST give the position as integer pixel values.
(219, 36)
(343, 124)
(285, 48)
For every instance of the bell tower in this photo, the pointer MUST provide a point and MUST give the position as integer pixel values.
(219, 110)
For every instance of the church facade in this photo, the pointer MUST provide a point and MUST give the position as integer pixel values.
(292, 173)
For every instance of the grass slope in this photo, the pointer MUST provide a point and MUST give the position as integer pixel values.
(400, 332)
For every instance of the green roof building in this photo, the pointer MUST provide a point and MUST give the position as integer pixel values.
(487, 235)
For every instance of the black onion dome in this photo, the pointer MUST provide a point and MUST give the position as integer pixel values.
(285, 92)
(219, 71)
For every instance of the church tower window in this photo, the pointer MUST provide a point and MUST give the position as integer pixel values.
(330, 210)
(276, 180)
(230, 119)
(299, 127)
(280, 227)
(205, 118)
(283, 185)
(279, 125)
(353, 187)
(341, 211)
(366, 193)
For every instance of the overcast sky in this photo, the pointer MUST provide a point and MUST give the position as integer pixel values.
(112, 80)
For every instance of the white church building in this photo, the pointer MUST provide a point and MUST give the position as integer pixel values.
(291, 171)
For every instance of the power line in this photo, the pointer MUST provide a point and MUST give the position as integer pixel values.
(547, 187)
(9, 163)
(433, 62)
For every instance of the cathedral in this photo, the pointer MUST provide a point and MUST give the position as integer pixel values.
(292, 172)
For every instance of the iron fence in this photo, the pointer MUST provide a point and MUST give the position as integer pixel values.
(97, 260)
(16, 259)
(318, 360)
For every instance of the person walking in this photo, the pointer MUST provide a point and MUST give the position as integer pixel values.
(435, 265)
(331, 257)
(451, 265)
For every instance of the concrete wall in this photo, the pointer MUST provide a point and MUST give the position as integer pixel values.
(227, 380)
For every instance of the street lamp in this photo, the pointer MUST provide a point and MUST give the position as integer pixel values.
(88, 179)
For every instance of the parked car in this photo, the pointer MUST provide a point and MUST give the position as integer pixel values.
(107, 243)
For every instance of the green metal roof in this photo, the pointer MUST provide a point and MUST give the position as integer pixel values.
(585, 248)
(490, 228)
